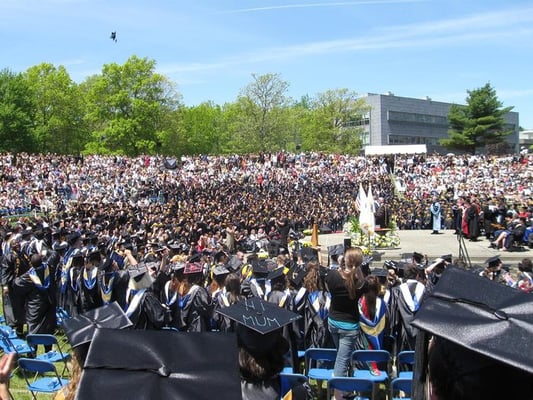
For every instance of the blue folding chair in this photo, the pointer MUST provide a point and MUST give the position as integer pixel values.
(319, 365)
(350, 384)
(55, 355)
(288, 381)
(313, 358)
(33, 371)
(12, 333)
(367, 357)
(401, 388)
(14, 345)
(404, 364)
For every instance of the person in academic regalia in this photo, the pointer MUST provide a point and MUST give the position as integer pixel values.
(405, 301)
(144, 309)
(89, 291)
(226, 298)
(169, 295)
(14, 264)
(37, 287)
(195, 302)
(435, 211)
(317, 303)
(262, 350)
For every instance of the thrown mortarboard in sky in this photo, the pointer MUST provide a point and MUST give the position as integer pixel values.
(259, 323)
(113, 36)
(486, 317)
(150, 364)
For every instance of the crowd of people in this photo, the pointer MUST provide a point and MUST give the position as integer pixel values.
(175, 245)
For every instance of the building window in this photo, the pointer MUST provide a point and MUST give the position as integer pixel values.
(417, 118)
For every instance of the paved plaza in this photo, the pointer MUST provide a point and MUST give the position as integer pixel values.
(422, 241)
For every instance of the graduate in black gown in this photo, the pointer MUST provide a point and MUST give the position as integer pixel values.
(405, 301)
(37, 287)
(89, 291)
(195, 302)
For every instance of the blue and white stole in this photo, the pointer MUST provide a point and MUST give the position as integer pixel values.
(45, 283)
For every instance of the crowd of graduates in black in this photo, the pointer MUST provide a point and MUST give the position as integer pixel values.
(173, 242)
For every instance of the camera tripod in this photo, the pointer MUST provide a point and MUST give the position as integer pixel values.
(463, 252)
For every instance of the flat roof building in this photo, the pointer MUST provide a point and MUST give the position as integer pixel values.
(395, 120)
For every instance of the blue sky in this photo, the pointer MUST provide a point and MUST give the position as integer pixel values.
(210, 48)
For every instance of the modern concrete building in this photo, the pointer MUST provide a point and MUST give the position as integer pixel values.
(395, 120)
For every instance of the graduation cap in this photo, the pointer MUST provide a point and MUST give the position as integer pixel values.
(418, 257)
(196, 257)
(80, 328)
(447, 258)
(276, 274)
(296, 276)
(259, 267)
(150, 364)
(309, 254)
(234, 264)
(336, 250)
(220, 271)
(483, 316)
(73, 237)
(259, 324)
(193, 268)
(136, 272)
(493, 261)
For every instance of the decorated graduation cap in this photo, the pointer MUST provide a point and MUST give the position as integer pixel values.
(259, 324)
(193, 268)
(487, 318)
(80, 328)
(150, 364)
(136, 272)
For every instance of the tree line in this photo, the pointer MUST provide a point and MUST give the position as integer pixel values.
(130, 110)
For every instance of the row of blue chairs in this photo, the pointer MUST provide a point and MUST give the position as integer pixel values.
(319, 364)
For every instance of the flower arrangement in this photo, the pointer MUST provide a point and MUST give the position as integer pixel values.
(364, 236)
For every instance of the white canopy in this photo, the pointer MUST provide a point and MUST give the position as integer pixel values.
(396, 149)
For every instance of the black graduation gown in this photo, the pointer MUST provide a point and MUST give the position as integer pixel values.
(13, 304)
(405, 300)
(149, 313)
(89, 291)
(171, 301)
(196, 310)
(40, 301)
(316, 320)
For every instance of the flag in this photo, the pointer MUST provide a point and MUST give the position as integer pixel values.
(361, 198)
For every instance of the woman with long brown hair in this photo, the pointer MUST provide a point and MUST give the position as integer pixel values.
(346, 286)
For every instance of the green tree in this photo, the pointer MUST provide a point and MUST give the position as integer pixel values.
(261, 103)
(333, 124)
(479, 123)
(131, 107)
(59, 109)
(16, 113)
(202, 126)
